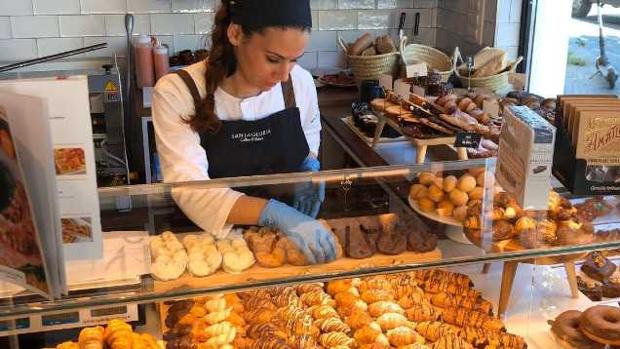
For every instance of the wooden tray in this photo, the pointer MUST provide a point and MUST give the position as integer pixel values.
(258, 273)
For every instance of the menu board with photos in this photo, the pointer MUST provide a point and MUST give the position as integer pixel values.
(74, 161)
(28, 246)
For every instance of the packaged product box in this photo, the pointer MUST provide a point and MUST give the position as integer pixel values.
(525, 158)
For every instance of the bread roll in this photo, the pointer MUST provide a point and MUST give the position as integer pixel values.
(466, 183)
(371, 51)
(384, 44)
(449, 183)
(458, 197)
(362, 43)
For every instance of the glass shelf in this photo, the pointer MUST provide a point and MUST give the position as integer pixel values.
(372, 191)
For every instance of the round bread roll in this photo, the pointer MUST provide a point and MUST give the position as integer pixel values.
(477, 193)
(458, 197)
(476, 171)
(449, 183)
(445, 208)
(438, 181)
(426, 178)
(460, 213)
(426, 205)
(418, 191)
(362, 43)
(466, 183)
(435, 193)
(480, 179)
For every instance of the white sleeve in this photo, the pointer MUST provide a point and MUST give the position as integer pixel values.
(183, 159)
(311, 116)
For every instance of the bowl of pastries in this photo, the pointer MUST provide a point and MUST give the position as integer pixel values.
(559, 225)
(447, 199)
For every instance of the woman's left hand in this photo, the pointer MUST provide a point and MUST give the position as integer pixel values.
(308, 196)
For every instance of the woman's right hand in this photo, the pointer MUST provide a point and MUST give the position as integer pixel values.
(310, 236)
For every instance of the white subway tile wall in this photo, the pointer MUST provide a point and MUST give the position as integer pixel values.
(5, 28)
(185, 24)
(103, 6)
(35, 27)
(56, 7)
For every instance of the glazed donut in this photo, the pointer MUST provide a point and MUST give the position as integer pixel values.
(601, 324)
(566, 330)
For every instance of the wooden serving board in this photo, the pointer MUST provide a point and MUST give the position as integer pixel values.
(286, 272)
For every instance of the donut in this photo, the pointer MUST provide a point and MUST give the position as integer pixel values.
(566, 330)
(601, 323)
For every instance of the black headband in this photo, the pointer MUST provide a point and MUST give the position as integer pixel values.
(271, 13)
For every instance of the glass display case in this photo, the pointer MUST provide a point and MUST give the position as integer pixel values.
(438, 244)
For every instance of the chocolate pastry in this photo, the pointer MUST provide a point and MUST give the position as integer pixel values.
(567, 236)
(180, 343)
(592, 290)
(392, 243)
(177, 331)
(611, 286)
(421, 241)
(503, 230)
(530, 238)
(597, 266)
(358, 245)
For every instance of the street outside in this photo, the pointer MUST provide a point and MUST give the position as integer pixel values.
(584, 49)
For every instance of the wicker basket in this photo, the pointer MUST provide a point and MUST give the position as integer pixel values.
(495, 83)
(433, 58)
(370, 67)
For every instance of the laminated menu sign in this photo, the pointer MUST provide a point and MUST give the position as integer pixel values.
(525, 157)
(74, 163)
(31, 254)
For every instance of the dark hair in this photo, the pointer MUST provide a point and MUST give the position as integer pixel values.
(221, 63)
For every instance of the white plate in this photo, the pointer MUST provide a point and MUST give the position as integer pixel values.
(433, 216)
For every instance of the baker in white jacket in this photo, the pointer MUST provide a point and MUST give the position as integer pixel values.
(249, 109)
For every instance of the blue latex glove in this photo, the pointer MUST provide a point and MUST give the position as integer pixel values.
(313, 240)
(308, 196)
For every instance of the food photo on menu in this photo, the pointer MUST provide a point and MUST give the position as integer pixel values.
(69, 161)
(21, 259)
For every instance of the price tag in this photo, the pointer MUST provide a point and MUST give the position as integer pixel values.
(402, 89)
(386, 81)
(467, 140)
(491, 106)
(416, 70)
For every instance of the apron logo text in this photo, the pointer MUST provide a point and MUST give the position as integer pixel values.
(250, 137)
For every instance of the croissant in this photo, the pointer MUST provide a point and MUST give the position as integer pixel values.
(423, 312)
(449, 301)
(376, 283)
(463, 317)
(433, 330)
(258, 293)
(332, 324)
(379, 308)
(337, 286)
(367, 334)
(259, 316)
(323, 311)
(236, 320)
(290, 313)
(214, 305)
(243, 343)
(389, 321)
(316, 297)
(305, 288)
(332, 339)
(403, 336)
(256, 331)
(271, 343)
(255, 303)
(286, 298)
(68, 345)
(479, 337)
(358, 319)
(371, 296)
(218, 316)
(218, 329)
(92, 338)
(348, 299)
(221, 339)
(412, 299)
(451, 341)
(117, 334)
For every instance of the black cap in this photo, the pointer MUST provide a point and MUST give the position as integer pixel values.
(271, 13)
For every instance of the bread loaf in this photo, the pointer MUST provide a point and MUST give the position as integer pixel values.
(384, 44)
(362, 43)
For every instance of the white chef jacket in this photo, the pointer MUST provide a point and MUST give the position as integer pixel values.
(182, 157)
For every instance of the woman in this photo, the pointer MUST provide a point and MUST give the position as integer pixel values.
(249, 109)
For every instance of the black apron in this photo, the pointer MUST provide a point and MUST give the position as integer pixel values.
(275, 144)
